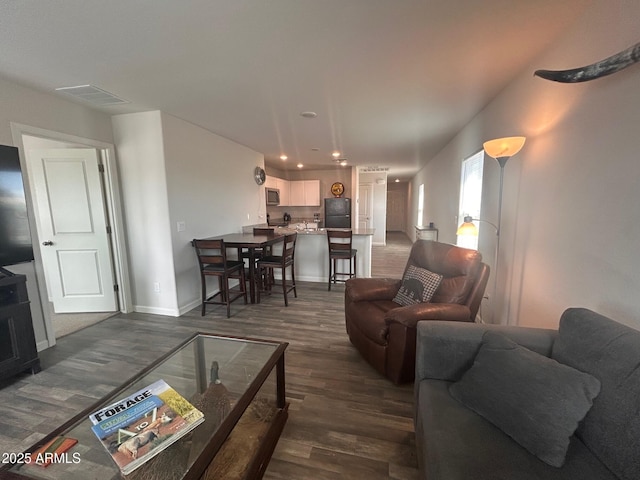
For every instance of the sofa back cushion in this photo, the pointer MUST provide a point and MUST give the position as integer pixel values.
(610, 352)
(458, 266)
(534, 399)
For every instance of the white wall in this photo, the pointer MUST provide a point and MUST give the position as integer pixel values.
(141, 158)
(569, 211)
(173, 171)
(30, 107)
(211, 189)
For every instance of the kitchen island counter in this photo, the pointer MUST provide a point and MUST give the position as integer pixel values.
(312, 252)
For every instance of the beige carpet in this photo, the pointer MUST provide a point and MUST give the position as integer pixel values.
(66, 323)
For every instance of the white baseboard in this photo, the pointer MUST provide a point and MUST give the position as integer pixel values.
(169, 312)
(43, 345)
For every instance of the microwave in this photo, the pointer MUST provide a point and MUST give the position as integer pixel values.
(273, 196)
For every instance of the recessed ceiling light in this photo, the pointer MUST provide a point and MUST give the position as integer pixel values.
(283, 157)
(397, 180)
(308, 114)
(336, 154)
(300, 165)
(343, 163)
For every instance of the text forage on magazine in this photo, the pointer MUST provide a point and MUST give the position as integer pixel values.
(138, 427)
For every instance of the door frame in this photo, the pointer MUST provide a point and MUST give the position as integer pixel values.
(114, 214)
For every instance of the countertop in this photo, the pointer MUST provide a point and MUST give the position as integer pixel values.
(302, 231)
(323, 231)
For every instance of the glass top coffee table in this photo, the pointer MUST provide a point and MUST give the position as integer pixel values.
(244, 413)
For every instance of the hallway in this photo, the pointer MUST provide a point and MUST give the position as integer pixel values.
(390, 260)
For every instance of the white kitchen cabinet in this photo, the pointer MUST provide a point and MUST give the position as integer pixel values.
(283, 186)
(296, 193)
(312, 193)
(270, 182)
(304, 193)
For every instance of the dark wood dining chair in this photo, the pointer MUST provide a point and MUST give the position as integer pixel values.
(212, 259)
(341, 248)
(258, 253)
(264, 231)
(244, 253)
(268, 264)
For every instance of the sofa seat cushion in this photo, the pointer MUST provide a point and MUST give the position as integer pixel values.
(532, 398)
(455, 443)
(610, 351)
(368, 317)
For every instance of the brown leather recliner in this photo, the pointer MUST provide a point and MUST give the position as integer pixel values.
(384, 332)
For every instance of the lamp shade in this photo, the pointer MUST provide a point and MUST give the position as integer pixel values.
(467, 228)
(503, 147)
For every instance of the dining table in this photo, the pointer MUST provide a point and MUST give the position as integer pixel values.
(251, 242)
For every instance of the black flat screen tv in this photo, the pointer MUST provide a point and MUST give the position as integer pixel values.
(15, 236)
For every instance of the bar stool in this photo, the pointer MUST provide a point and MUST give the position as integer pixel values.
(267, 265)
(258, 253)
(212, 259)
(341, 248)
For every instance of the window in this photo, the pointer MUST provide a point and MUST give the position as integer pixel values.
(471, 195)
(420, 218)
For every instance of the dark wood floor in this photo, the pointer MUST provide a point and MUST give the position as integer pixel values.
(345, 422)
(389, 260)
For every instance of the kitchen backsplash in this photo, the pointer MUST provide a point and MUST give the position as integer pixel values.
(298, 214)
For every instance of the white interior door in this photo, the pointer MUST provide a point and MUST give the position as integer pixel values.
(365, 206)
(72, 229)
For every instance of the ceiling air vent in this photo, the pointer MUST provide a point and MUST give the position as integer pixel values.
(92, 95)
(374, 169)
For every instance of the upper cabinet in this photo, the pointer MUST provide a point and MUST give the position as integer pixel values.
(297, 193)
(283, 186)
(312, 193)
(304, 193)
(270, 182)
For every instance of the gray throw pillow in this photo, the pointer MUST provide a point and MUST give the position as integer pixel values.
(534, 399)
(418, 286)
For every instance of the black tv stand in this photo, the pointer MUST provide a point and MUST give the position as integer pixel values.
(6, 273)
(17, 341)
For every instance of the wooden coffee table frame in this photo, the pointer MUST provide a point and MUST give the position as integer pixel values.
(256, 465)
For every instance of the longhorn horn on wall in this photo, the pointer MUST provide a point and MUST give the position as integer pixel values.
(609, 65)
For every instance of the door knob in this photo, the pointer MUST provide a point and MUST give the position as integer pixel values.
(48, 243)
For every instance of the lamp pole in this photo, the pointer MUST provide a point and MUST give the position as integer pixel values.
(501, 149)
(502, 161)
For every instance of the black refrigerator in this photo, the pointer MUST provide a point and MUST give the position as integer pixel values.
(337, 213)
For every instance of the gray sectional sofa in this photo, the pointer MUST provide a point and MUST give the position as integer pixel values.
(524, 403)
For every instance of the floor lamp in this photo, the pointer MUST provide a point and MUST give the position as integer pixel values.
(502, 149)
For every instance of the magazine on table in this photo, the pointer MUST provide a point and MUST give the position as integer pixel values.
(138, 427)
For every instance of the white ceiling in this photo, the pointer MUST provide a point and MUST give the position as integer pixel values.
(392, 81)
